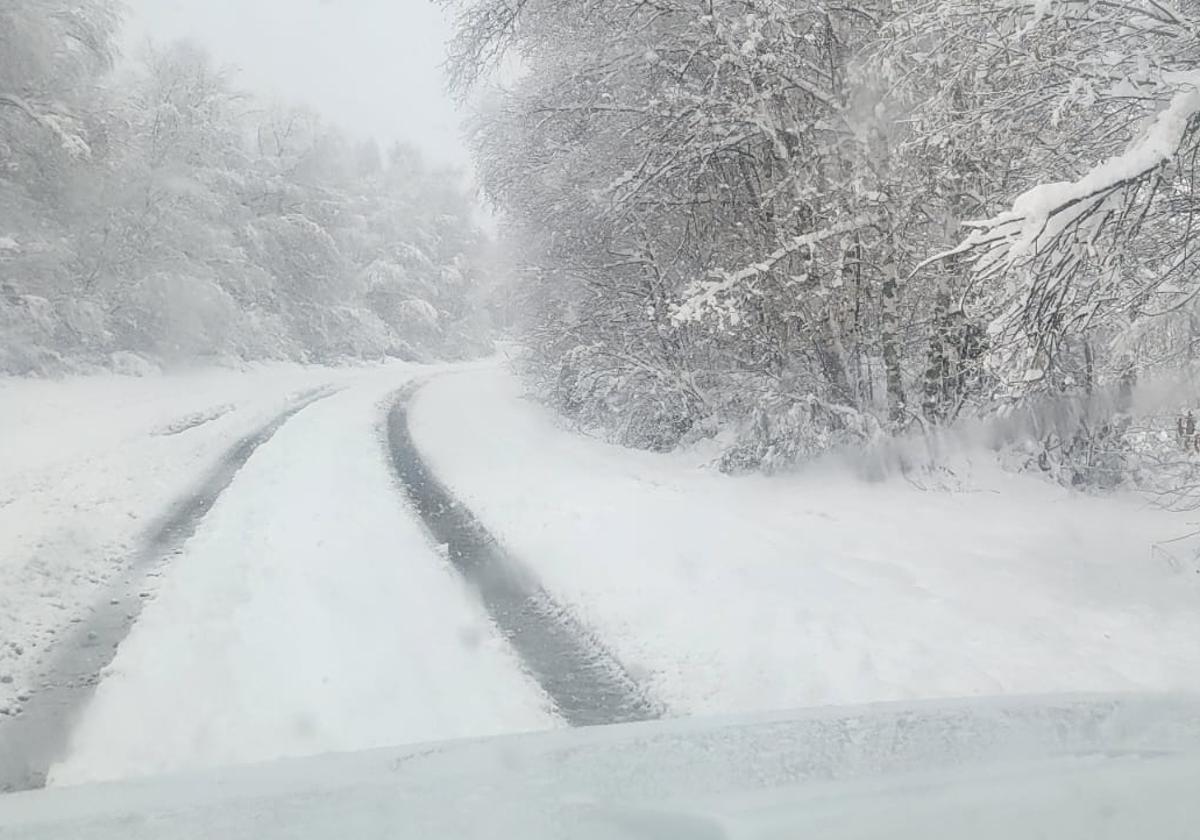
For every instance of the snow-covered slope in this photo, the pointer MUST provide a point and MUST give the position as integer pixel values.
(755, 593)
(308, 614)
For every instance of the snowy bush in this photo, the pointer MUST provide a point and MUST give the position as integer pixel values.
(786, 432)
(132, 364)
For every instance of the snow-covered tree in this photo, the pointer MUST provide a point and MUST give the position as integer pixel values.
(692, 199)
(817, 223)
(1081, 121)
(50, 53)
(201, 223)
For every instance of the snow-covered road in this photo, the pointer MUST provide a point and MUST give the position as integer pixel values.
(32, 740)
(87, 467)
(310, 611)
(309, 614)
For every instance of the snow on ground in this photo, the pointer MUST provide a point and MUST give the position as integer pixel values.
(308, 614)
(87, 463)
(757, 593)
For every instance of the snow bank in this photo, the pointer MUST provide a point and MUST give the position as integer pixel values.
(309, 614)
(753, 593)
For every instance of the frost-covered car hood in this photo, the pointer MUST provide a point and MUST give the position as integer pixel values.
(1083, 767)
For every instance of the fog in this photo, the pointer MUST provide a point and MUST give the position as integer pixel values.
(372, 67)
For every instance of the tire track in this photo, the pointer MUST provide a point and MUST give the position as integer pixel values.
(585, 680)
(195, 421)
(31, 742)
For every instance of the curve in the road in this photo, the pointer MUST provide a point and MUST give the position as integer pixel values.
(31, 742)
(584, 679)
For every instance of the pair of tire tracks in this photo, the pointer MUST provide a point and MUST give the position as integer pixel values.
(32, 741)
(587, 683)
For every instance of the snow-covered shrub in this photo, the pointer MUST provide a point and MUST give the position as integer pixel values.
(132, 364)
(783, 432)
(641, 408)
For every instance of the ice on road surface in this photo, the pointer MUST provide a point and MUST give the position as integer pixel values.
(740, 594)
(308, 614)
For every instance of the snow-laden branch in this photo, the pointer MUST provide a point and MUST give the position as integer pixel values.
(71, 142)
(1039, 216)
(704, 295)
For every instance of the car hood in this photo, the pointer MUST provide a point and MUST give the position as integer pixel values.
(1063, 767)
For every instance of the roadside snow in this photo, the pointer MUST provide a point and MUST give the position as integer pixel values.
(753, 593)
(87, 464)
(309, 614)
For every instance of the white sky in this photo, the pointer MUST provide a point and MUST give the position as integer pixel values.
(372, 67)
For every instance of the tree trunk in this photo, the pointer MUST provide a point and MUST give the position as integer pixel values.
(889, 338)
